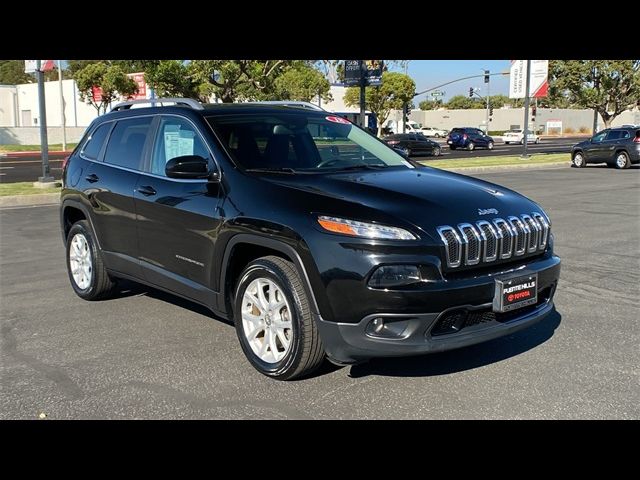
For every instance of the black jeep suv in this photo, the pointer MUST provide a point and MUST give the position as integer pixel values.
(312, 235)
(617, 147)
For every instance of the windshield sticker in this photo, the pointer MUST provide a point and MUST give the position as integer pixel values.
(334, 119)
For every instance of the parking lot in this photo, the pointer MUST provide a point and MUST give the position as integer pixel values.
(147, 354)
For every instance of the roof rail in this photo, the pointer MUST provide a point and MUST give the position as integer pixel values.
(291, 103)
(188, 102)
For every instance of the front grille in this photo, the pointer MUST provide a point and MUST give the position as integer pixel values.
(485, 241)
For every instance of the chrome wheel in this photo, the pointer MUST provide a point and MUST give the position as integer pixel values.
(266, 320)
(471, 146)
(621, 160)
(80, 261)
(578, 160)
(490, 146)
(437, 151)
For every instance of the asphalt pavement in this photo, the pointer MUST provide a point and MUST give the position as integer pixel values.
(27, 168)
(146, 354)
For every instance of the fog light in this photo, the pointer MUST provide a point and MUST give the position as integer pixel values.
(394, 276)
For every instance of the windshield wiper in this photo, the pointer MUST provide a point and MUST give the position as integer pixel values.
(358, 166)
(272, 170)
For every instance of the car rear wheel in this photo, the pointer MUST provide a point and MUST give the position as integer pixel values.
(273, 320)
(622, 160)
(437, 135)
(490, 145)
(87, 273)
(578, 160)
(537, 139)
(471, 146)
(437, 151)
(452, 147)
(406, 151)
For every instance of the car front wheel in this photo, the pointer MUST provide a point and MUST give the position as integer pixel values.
(578, 160)
(490, 146)
(437, 151)
(273, 320)
(471, 146)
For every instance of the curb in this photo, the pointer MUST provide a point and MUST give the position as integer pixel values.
(31, 153)
(30, 200)
(502, 168)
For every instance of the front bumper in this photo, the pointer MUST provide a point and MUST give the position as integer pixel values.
(421, 333)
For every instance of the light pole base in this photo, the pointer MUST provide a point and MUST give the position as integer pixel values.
(46, 182)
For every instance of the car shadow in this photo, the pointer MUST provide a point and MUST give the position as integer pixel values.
(127, 288)
(462, 359)
(635, 166)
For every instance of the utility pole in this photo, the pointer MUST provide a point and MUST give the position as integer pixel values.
(486, 80)
(42, 111)
(363, 98)
(62, 117)
(526, 109)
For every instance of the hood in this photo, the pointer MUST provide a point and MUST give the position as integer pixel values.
(424, 197)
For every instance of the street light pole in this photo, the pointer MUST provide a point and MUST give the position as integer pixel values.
(526, 109)
(62, 116)
(42, 111)
(363, 98)
(486, 80)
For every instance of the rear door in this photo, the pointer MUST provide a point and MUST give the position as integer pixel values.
(178, 219)
(595, 150)
(111, 193)
(611, 143)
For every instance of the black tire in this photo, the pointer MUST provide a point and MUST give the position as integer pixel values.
(452, 147)
(471, 146)
(507, 143)
(437, 151)
(306, 352)
(622, 160)
(407, 151)
(437, 135)
(101, 284)
(578, 160)
(490, 145)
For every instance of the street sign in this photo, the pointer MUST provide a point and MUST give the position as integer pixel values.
(539, 84)
(30, 66)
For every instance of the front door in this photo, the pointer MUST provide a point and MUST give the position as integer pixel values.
(178, 219)
(595, 151)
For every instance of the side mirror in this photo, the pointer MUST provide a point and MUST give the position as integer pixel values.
(188, 167)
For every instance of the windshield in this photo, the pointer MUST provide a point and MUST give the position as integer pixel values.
(297, 141)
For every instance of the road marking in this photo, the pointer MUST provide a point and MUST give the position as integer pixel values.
(28, 161)
(6, 168)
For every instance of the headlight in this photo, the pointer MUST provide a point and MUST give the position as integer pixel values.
(363, 229)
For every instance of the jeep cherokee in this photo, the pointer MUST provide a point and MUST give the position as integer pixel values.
(315, 238)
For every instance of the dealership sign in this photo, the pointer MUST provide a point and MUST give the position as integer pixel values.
(538, 78)
(31, 66)
(140, 83)
(371, 69)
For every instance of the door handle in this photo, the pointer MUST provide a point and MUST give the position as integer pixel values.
(147, 190)
(92, 178)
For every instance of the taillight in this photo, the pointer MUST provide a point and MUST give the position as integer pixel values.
(393, 142)
(65, 160)
(636, 139)
(465, 136)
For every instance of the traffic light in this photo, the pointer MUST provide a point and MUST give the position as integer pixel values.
(470, 92)
(406, 109)
(486, 76)
(533, 113)
(491, 111)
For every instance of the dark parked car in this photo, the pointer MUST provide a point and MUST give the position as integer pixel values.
(413, 144)
(311, 235)
(469, 138)
(617, 147)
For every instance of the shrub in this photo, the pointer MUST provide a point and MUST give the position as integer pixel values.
(584, 130)
(569, 130)
(496, 132)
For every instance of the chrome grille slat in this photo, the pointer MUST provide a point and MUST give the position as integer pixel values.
(489, 240)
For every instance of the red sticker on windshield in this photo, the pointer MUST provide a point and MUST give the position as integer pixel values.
(334, 119)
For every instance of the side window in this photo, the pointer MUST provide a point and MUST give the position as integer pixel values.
(600, 136)
(614, 135)
(92, 147)
(127, 142)
(176, 138)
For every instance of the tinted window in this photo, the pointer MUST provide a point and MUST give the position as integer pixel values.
(458, 130)
(600, 136)
(96, 140)
(127, 142)
(615, 134)
(176, 138)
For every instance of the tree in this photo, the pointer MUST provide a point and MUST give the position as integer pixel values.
(429, 105)
(12, 73)
(461, 102)
(608, 86)
(396, 90)
(111, 79)
(232, 80)
(172, 78)
(303, 83)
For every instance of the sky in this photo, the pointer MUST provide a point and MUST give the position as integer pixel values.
(430, 73)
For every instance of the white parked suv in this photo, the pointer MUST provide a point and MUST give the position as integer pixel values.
(433, 132)
(517, 136)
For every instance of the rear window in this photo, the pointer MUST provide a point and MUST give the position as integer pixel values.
(127, 142)
(92, 148)
(457, 130)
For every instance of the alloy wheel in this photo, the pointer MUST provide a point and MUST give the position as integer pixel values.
(80, 261)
